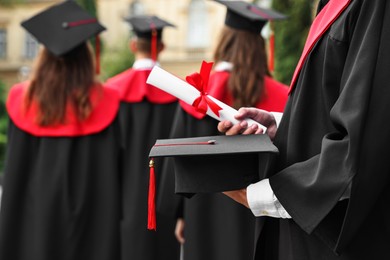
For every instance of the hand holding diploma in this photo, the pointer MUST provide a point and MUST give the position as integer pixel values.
(194, 92)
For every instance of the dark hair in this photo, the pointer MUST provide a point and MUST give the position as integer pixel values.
(60, 81)
(145, 45)
(246, 51)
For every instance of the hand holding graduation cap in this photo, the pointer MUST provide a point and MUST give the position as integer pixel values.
(265, 118)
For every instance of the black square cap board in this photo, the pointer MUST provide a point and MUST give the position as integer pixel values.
(247, 16)
(213, 163)
(143, 25)
(63, 27)
(216, 163)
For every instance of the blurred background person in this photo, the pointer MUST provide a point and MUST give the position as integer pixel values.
(146, 114)
(209, 225)
(61, 196)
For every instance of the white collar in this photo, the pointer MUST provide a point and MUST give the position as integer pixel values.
(144, 64)
(223, 66)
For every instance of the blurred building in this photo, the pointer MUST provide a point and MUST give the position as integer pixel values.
(198, 25)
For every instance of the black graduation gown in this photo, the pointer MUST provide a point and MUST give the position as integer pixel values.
(216, 227)
(1, 188)
(61, 197)
(146, 114)
(334, 133)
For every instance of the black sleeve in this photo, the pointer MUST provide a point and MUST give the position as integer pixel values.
(311, 189)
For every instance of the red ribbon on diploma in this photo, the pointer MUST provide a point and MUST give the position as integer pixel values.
(200, 81)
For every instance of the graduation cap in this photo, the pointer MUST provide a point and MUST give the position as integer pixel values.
(149, 27)
(247, 16)
(63, 27)
(145, 25)
(212, 164)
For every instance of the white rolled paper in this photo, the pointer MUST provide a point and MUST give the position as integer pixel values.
(186, 92)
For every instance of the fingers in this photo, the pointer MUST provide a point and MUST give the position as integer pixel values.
(253, 129)
(224, 126)
(259, 131)
(259, 115)
(240, 128)
(228, 128)
(179, 230)
(271, 131)
(246, 112)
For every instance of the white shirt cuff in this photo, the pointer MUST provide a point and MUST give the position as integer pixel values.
(278, 117)
(263, 202)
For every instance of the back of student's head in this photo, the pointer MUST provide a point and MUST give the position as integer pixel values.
(147, 31)
(242, 44)
(144, 46)
(64, 71)
(61, 80)
(246, 51)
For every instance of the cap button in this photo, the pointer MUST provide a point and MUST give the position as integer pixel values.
(65, 25)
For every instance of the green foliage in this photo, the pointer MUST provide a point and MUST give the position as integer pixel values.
(89, 5)
(290, 35)
(3, 124)
(10, 2)
(116, 60)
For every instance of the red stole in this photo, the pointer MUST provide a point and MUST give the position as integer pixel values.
(105, 102)
(132, 87)
(331, 11)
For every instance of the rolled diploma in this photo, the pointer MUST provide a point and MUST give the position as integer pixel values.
(188, 93)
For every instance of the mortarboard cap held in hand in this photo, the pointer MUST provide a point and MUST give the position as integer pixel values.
(247, 16)
(62, 27)
(214, 163)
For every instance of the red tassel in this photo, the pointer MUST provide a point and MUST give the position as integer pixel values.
(97, 54)
(271, 62)
(154, 45)
(152, 197)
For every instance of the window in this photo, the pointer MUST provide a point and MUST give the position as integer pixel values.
(264, 3)
(3, 43)
(136, 8)
(197, 36)
(30, 47)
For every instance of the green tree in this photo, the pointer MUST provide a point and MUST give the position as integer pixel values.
(290, 35)
(10, 2)
(114, 60)
(89, 5)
